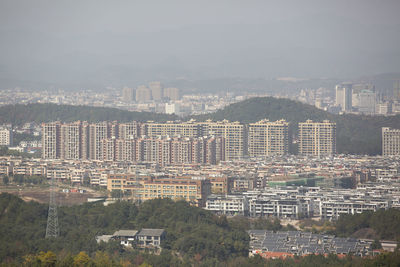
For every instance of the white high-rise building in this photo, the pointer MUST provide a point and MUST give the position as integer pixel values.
(6, 137)
(344, 96)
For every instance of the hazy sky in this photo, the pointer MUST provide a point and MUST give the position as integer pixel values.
(119, 42)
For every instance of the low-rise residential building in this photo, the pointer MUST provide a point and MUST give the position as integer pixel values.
(150, 237)
(126, 237)
(228, 204)
(142, 188)
(145, 238)
(332, 209)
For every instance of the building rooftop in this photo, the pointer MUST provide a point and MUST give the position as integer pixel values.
(125, 233)
(151, 232)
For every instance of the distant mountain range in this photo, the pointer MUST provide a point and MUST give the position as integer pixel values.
(356, 134)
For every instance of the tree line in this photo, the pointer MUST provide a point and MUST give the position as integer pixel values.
(195, 237)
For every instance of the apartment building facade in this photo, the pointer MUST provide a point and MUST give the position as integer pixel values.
(317, 138)
(51, 140)
(6, 137)
(139, 188)
(390, 141)
(268, 138)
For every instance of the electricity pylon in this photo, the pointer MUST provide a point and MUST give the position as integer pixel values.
(52, 229)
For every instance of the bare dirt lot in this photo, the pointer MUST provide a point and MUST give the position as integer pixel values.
(42, 195)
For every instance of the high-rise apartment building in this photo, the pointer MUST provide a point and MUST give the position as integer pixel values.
(130, 130)
(97, 132)
(268, 138)
(125, 150)
(143, 94)
(317, 138)
(233, 134)
(73, 140)
(344, 96)
(156, 90)
(108, 152)
(172, 93)
(367, 102)
(172, 129)
(128, 94)
(396, 91)
(390, 141)
(51, 140)
(6, 137)
(163, 143)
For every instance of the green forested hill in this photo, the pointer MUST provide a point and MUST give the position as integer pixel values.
(356, 134)
(19, 114)
(195, 237)
(381, 225)
(255, 109)
(190, 230)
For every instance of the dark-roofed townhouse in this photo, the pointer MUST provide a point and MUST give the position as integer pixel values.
(126, 237)
(150, 237)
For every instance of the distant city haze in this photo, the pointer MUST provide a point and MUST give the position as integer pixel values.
(97, 43)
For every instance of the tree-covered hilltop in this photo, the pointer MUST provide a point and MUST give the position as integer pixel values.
(18, 114)
(102, 259)
(195, 237)
(191, 232)
(382, 224)
(356, 134)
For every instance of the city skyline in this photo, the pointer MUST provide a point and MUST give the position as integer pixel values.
(199, 133)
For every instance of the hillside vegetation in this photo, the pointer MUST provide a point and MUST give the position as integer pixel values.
(191, 231)
(356, 134)
(195, 237)
(383, 224)
(19, 114)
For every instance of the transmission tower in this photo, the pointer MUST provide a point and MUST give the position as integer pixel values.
(52, 219)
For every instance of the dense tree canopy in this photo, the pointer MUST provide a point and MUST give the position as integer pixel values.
(190, 230)
(195, 237)
(383, 224)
